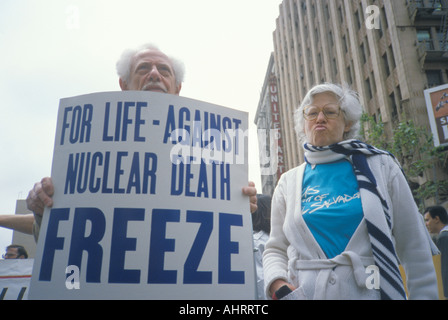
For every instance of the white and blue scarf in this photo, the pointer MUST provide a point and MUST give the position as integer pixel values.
(379, 226)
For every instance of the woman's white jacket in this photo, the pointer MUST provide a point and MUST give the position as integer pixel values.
(292, 253)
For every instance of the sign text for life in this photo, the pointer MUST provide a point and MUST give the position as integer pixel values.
(87, 171)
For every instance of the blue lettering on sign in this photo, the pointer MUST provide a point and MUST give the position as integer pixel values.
(196, 128)
(191, 273)
(193, 180)
(159, 245)
(123, 120)
(79, 120)
(87, 238)
(52, 242)
(120, 244)
(82, 173)
(90, 244)
(227, 248)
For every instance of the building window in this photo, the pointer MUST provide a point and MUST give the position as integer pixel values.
(437, 4)
(368, 90)
(419, 3)
(392, 59)
(335, 67)
(443, 40)
(341, 15)
(393, 107)
(363, 54)
(344, 41)
(424, 37)
(349, 75)
(330, 36)
(357, 21)
(434, 77)
(386, 65)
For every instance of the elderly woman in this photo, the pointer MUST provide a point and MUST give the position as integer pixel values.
(343, 221)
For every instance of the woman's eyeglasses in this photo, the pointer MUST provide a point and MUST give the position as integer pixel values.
(330, 111)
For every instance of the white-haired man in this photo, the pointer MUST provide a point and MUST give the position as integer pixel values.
(149, 69)
(144, 68)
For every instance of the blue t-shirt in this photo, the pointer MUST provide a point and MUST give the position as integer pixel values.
(331, 205)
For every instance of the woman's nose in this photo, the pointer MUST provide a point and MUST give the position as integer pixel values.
(321, 116)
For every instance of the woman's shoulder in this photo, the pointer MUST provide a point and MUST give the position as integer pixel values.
(292, 173)
(385, 165)
(289, 179)
(385, 160)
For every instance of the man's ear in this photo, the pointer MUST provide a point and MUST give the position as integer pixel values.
(123, 84)
(179, 87)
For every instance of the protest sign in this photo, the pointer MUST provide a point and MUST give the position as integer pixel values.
(15, 277)
(148, 201)
(437, 105)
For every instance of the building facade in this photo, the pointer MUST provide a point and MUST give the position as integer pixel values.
(389, 51)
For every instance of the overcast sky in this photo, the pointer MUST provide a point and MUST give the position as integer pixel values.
(52, 49)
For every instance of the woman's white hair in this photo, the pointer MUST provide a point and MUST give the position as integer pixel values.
(124, 63)
(348, 101)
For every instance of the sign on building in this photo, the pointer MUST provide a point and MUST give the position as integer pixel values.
(148, 201)
(437, 105)
(276, 124)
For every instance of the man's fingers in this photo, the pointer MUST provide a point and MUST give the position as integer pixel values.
(253, 207)
(40, 196)
(33, 202)
(47, 186)
(251, 191)
(47, 191)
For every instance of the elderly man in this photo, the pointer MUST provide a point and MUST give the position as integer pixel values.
(145, 68)
(149, 69)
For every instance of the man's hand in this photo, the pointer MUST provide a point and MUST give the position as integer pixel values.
(251, 192)
(40, 196)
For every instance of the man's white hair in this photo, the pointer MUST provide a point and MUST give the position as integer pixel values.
(124, 63)
(348, 101)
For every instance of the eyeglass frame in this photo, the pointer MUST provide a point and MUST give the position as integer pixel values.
(5, 255)
(321, 109)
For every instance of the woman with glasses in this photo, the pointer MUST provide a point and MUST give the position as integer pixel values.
(344, 221)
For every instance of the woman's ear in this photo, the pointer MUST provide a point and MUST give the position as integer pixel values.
(348, 126)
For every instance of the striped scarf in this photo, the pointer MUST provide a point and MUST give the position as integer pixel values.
(379, 226)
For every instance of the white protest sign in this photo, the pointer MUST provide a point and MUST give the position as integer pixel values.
(15, 277)
(148, 201)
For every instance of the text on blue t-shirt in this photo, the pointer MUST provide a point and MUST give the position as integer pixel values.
(331, 205)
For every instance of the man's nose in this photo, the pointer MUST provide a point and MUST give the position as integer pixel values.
(154, 74)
